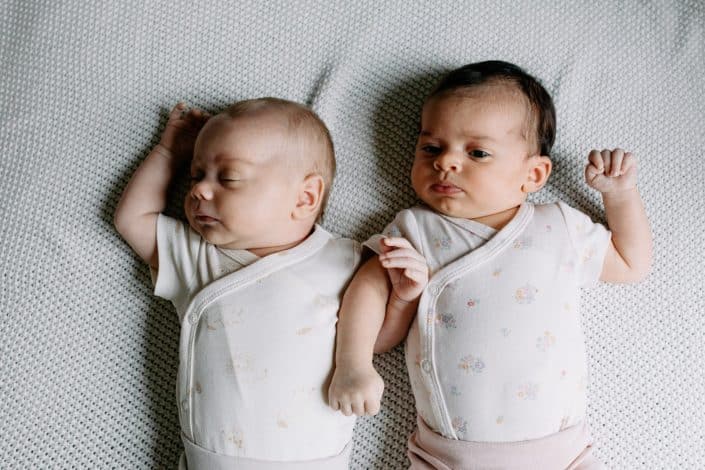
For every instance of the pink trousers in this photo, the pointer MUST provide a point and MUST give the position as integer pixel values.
(568, 449)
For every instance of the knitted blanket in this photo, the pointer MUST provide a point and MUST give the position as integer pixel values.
(88, 355)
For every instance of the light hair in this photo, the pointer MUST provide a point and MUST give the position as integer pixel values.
(316, 154)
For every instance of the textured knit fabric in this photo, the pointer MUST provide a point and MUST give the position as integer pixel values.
(238, 395)
(89, 357)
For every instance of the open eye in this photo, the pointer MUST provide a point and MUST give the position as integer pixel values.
(478, 153)
(431, 149)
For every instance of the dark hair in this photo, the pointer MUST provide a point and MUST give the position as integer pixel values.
(497, 71)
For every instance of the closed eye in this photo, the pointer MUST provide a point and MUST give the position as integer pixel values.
(231, 182)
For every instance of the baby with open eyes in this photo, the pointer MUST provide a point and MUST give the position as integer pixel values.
(256, 282)
(485, 286)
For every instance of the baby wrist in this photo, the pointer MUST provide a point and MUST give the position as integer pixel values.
(353, 361)
(161, 150)
(617, 195)
(396, 299)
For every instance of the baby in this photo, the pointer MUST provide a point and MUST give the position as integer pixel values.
(255, 281)
(495, 354)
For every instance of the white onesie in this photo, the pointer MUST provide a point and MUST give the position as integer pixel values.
(257, 346)
(496, 353)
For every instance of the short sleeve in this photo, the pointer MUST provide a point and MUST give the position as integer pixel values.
(177, 246)
(403, 225)
(590, 241)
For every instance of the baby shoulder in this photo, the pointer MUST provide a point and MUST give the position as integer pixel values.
(343, 252)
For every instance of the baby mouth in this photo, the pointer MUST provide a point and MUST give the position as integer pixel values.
(445, 188)
(205, 219)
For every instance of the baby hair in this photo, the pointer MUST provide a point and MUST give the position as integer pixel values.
(305, 125)
(542, 116)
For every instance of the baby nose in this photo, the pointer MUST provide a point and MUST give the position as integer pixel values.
(202, 191)
(448, 161)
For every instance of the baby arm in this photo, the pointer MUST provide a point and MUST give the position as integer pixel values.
(613, 173)
(377, 309)
(145, 195)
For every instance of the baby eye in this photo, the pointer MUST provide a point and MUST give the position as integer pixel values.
(230, 179)
(431, 149)
(195, 177)
(478, 154)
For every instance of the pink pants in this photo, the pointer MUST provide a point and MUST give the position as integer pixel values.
(198, 458)
(568, 449)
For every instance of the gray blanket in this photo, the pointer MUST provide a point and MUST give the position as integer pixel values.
(89, 356)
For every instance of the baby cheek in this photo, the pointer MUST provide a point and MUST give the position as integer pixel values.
(417, 178)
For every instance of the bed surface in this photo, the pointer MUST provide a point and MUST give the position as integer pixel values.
(89, 356)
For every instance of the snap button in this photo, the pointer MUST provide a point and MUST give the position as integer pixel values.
(426, 365)
(184, 404)
(193, 318)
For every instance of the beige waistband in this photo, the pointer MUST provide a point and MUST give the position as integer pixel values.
(429, 450)
(198, 458)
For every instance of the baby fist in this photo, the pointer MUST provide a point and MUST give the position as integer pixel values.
(611, 171)
(183, 126)
(356, 391)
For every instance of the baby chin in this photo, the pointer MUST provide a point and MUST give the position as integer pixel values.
(450, 206)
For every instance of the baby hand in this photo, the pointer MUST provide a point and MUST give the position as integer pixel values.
(405, 266)
(356, 390)
(611, 171)
(181, 131)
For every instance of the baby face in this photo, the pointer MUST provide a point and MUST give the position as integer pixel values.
(242, 191)
(471, 154)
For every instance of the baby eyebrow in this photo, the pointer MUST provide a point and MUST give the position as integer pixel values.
(485, 138)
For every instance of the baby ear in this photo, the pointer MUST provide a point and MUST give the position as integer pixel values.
(538, 172)
(310, 197)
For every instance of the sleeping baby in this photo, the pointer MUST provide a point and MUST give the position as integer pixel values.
(255, 281)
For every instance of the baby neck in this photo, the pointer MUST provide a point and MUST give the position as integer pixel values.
(498, 219)
(297, 237)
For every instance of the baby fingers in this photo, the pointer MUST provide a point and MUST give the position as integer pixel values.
(190, 116)
(358, 407)
(628, 163)
(403, 262)
(398, 242)
(178, 111)
(346, 408)
(607, 160)
(371, 408)
(419, 277)
(402, 253)
(333, 403)
(596, 161)
(616, 163)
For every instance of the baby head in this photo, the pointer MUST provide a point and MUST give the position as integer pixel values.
(260, 176)
(486, 135)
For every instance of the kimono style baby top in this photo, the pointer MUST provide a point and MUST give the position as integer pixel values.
(496, 352)
(257, 345)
